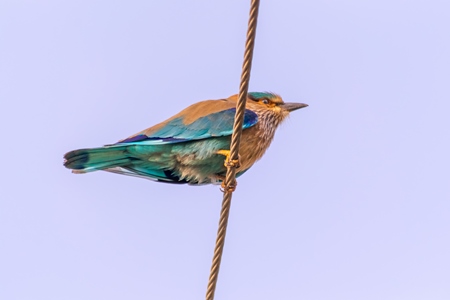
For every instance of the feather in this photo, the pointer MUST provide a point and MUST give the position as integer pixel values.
(174, 131)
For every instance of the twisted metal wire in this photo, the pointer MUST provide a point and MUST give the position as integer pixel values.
(230, 180)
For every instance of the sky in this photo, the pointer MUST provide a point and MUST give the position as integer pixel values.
(351, 201)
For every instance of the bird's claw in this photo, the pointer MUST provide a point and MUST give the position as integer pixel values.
(229, 162)
(230, 188)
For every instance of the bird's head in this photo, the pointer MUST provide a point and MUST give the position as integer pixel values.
(272, 106)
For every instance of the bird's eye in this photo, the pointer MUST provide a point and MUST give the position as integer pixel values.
(265, 101)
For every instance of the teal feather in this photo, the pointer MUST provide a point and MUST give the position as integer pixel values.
(262, 95)
(213, 125)
(134, 151)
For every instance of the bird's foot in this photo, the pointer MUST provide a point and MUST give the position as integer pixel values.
(230, 188)
(229, 162)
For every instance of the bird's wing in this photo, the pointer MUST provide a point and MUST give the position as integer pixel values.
(175, 130)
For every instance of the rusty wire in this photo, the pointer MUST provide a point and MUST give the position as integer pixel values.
(230, 180)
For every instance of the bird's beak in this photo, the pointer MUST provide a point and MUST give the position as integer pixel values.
(293, 106)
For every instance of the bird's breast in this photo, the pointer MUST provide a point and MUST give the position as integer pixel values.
(254, 143)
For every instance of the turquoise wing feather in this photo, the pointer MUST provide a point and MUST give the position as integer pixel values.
(175, 131)
(130, 156)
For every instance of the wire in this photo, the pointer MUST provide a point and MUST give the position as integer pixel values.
(232, 162)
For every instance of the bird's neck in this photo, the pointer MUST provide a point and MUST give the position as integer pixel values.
(268, 123)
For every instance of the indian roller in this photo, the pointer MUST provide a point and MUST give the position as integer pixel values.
(190, 146)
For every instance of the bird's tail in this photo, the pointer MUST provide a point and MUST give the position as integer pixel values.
(93, 159)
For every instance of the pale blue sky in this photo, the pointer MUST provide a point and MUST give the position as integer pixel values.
(352, 200)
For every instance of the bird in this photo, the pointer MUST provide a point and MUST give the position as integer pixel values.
(189, 147)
